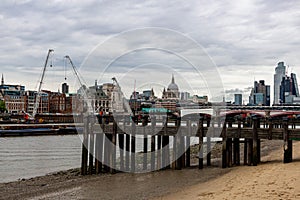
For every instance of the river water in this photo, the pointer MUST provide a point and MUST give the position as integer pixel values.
(31, 156)
(26, 157)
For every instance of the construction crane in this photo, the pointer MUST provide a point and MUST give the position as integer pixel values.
(38, 97)
(74, 69)
(124, 101)
(78, 78)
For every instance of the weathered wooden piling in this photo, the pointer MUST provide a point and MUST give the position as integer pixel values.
(159, 157)
(84, 155)
(153, 124)
(127, 152)
(133, 132)
(236, 145)
(224, 146)
(288, 144)
(121, 147)
(255, 138)
(188, 144)
(145, 144)
(208, 145)
(201, 134)
(99, 152)
(178, 151)
(99, 145)
(165, 147)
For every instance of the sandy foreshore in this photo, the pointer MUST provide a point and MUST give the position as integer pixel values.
(269, 180)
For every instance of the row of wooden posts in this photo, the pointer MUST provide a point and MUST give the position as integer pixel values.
(111, 146)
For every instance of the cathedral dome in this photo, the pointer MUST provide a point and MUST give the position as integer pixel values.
(173, 86)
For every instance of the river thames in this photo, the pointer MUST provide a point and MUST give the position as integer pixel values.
(26, 157)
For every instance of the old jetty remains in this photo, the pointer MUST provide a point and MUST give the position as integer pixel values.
(109, 145)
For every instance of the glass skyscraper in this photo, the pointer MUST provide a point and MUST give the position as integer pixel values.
(280, 71)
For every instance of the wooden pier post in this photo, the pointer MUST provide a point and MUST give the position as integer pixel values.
(145, 149)
(91, 145)
(178, 145)
(165, 148)
(288, 144)
(229, 148)
(270, 134)
(113, 147)
(188, 144)
(127, 151)
(201, 133)
(153, 124)
(84, 154)
(258, 143)
(159, 156)
(133, 132)
(236, 145)
(107, 152)
(99, 152)
(255, 138)
(121, 147)
(250, 151)
(224, 146)
(208, 145)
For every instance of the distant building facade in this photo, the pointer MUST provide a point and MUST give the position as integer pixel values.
(280, 72)
(238, 99)
(199, 99)
(289, 91)
(65, 88)
(260, 94)
(184, 96)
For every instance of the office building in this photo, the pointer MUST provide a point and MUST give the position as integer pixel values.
(238, 99)
(288, 89)
(260, 94)
(65, 88)
(280, 72)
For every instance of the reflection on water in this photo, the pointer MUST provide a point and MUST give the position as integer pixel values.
(25, 157)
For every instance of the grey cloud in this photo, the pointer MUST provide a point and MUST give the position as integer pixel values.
(253, 33)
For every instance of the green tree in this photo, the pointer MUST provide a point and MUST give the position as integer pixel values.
(2, 106)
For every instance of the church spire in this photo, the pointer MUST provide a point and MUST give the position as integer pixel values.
(173, 81)
(2, 80)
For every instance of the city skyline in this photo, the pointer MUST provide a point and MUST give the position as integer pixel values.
(245, 41)
(280, 70)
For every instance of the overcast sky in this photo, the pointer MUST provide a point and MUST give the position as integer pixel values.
(244, 39)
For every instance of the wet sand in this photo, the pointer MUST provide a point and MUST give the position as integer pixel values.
(270, 179)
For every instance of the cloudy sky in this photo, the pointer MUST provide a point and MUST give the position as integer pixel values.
(236, 42)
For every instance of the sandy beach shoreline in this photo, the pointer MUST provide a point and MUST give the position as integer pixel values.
(213, 182)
